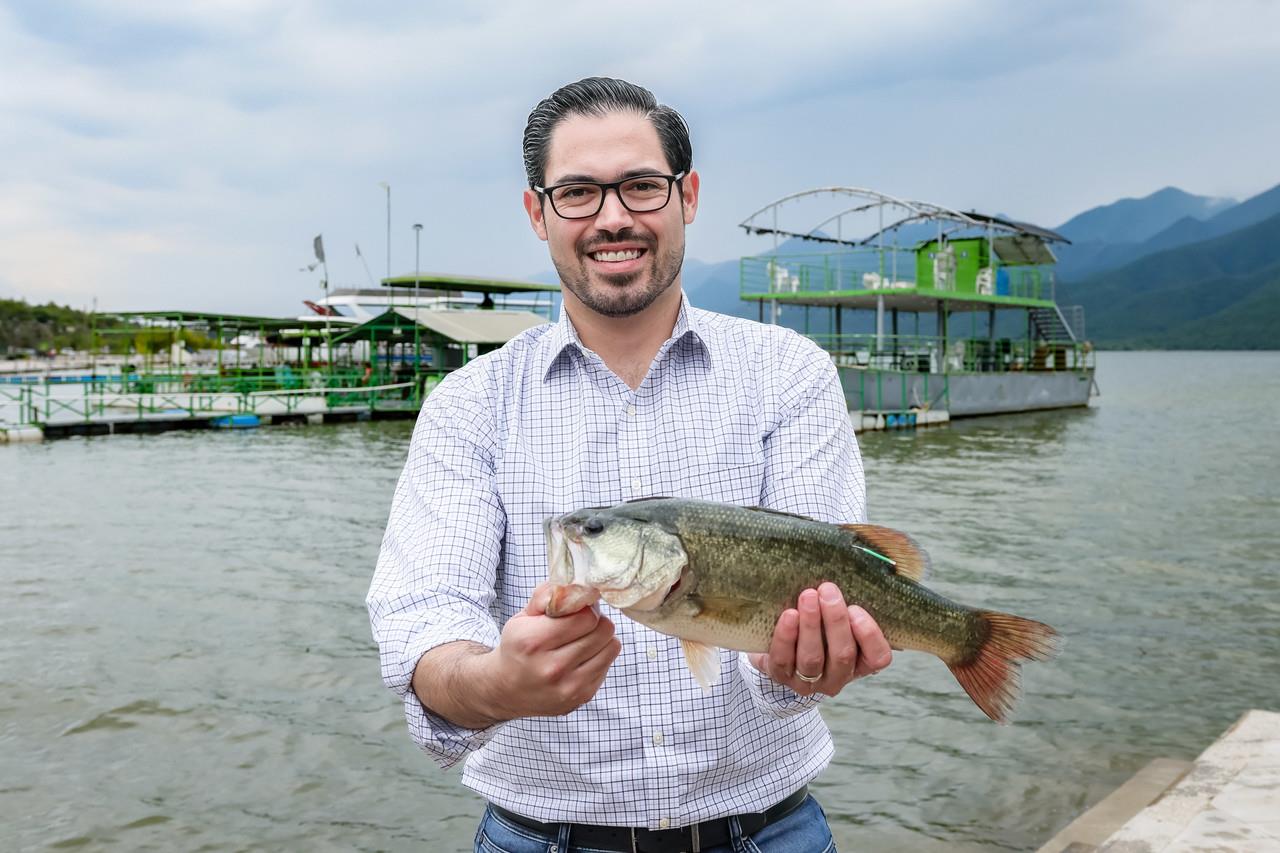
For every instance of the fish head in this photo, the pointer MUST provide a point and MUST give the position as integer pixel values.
(631, 562)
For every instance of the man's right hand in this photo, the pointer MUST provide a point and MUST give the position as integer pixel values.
(548, 666)
(542, 666)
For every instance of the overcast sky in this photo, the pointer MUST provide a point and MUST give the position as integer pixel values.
(182, 155)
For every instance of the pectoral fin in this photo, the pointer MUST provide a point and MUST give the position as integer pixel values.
(703, 661)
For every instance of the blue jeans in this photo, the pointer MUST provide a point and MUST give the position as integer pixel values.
(803, 830)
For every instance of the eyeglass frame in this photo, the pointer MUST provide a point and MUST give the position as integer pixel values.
(616, 186)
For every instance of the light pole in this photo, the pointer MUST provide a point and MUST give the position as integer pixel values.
(417, 289)
(386, 186)
(417, 266)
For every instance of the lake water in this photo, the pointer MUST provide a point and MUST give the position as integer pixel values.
(185, 658)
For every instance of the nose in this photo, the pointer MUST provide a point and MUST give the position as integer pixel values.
(613, 215)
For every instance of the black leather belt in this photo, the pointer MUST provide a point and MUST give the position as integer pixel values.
(625, 839)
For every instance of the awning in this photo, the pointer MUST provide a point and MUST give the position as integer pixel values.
(460, 326)
(1023, 249)
(475, 327)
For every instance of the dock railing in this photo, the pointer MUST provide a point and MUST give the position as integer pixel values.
(177, 397)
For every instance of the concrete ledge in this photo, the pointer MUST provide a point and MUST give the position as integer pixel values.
(1097, 824)
(1229, 800)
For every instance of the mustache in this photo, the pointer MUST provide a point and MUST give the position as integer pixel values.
(605, 238)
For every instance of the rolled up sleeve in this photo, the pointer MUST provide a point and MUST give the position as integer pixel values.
(812, 467)
(436, 572)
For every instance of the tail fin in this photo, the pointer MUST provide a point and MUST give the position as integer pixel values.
(991, 675)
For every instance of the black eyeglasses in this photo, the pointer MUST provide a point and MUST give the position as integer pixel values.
(584, 199)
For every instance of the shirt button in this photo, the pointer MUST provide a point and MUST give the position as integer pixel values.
(653, 653)
(664, 823)
(635, 485)
(631, 410)
(657, 738)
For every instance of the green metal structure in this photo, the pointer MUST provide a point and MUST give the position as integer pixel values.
(184, 369)
(957, 301)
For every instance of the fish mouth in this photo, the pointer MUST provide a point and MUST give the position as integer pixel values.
(559, 569)
(673, 588)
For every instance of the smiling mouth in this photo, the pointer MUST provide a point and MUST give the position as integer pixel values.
(617, 256)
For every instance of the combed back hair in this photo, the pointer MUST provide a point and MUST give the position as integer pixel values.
(599, 96)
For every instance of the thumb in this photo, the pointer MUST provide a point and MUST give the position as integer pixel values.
(539, 599)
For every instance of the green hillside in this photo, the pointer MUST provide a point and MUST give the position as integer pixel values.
(1222, 293)
(42, 327)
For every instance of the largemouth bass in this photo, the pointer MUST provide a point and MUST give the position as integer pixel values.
(719, 575)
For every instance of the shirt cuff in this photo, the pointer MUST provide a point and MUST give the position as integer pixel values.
(447, 743)
(771, 698)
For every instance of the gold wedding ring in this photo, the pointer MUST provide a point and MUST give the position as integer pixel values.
(808, 679)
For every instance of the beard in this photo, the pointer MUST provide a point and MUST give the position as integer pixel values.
(622, 294)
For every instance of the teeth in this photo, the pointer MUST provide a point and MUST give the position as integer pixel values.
(627, 255)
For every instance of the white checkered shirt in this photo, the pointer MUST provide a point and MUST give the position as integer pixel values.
(731, 410)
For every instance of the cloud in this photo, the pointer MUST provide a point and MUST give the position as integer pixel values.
(184, 155)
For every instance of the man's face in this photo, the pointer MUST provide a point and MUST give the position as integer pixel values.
(615, 263)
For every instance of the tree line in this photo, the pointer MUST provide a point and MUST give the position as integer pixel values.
(54, 328)
(43, 327)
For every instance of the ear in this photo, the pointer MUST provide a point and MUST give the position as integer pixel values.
(690, 183)
(533, 207)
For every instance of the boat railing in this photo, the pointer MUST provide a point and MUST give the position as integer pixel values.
(854, 270)
(933, 354)
(887, 270)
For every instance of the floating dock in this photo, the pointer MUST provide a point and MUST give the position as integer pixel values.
(158, 371)
(1228, 799)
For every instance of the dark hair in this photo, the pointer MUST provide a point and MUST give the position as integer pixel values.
(598, 96)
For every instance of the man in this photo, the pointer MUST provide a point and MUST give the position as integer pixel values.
(587, 731)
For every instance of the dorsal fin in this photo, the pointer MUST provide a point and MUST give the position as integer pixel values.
(781, 513)
(893, 546)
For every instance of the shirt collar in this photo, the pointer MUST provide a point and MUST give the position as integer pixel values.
(563, 336)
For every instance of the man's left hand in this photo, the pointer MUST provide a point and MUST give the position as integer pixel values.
(824, 639)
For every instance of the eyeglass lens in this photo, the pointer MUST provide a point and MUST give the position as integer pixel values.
(639, 195)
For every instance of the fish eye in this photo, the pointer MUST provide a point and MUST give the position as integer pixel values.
(592, 526)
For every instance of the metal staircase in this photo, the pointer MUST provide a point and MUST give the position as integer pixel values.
(1051, 325)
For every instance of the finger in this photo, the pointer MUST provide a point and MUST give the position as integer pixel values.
(558, 633)
(810, 657)
(842, 651)
(588, 645)
(594, 668)
(874, 652)
(781, 657)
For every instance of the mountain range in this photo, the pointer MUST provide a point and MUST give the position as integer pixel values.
(1220, 293)
(1169, 270)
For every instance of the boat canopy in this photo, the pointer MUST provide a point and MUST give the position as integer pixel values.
(467, 284)
(879, 219)
(463, 327)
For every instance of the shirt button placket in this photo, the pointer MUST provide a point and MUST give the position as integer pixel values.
(632, 451)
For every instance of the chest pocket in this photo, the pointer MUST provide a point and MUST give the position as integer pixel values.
(721, 456)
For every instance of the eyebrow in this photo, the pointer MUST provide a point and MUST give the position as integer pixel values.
(592, 179)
